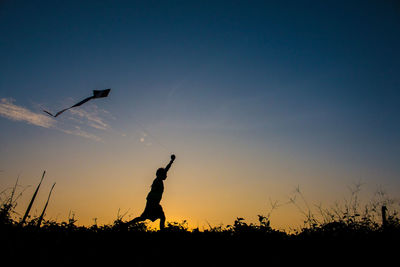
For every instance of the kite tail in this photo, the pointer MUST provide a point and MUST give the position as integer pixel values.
(96, 94)
(82, 102)
(48, 112)
(76, 105)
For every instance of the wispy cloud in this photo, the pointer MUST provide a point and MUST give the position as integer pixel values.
(79, 132)
(18, 113)
(92, 118)
(11, 111)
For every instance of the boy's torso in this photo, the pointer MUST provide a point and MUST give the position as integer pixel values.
(157, 189)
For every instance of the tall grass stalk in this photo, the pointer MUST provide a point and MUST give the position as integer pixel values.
(45, 207)
(32, 200)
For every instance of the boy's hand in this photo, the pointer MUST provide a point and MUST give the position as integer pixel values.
(170, 163)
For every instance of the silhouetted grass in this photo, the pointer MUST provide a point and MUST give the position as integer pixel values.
(335, 232)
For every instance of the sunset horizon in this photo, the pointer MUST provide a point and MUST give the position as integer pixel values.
(271, 108)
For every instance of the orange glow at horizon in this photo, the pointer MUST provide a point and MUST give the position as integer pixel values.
(205, 187)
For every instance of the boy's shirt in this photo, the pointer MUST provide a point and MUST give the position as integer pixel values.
(157, 189)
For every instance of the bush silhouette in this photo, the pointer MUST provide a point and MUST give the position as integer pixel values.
(178, 245)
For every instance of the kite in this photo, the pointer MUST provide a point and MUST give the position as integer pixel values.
(96, 94)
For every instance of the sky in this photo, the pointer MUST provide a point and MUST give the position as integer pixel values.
(255, 98)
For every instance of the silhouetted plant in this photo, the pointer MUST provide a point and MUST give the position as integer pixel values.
(343, 221)
(177, 227)
(28, 209)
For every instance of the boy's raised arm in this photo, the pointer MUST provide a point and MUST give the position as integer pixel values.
(170, 163)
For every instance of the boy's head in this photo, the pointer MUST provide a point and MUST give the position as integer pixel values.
(161, 173)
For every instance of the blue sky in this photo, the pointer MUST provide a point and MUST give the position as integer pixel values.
(313, 85)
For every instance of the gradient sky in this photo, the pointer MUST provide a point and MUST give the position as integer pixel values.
(253, 97)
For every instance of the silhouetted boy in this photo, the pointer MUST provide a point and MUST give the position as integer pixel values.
(153, 210)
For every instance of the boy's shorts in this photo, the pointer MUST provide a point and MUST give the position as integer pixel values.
(152, 211)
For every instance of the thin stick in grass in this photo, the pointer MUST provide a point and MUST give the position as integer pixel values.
(32, 200)
(45, 207)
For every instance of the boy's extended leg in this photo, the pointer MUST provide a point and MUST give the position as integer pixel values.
(136, 220)
(162, 222)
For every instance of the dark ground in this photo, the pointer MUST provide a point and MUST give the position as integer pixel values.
(65, 244)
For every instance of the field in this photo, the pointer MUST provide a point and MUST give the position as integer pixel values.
(350, 235)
